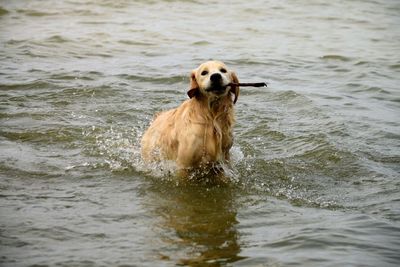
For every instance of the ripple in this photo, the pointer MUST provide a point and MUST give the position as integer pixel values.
(57, 39)
(159, 80)
(336, 57)
(136, 43)
(366, 89)
(86, 76)
(35, 84)
(3, 11)
(47, 136)
(37, 13)
(362, 63)
(201, 43)
(57, 233)
(395, 66)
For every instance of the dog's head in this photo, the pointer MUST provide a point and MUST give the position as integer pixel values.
(212, 79)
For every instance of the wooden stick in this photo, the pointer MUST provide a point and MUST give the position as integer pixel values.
(249, 84)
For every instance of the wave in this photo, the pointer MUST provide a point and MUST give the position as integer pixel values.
(3, 11)
(337, 57)
(37, 13)
(157, 80)
(33, 84)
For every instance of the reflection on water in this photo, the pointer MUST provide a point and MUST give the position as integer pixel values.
(197, 221)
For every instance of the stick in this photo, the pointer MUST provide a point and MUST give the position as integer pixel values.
(249, 84)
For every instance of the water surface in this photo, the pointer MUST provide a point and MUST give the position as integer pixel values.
(316, 159)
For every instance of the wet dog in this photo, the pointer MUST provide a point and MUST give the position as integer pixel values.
(197, 135)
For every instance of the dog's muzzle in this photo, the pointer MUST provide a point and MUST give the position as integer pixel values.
(216, 84)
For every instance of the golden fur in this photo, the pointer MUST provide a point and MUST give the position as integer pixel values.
(198, 133)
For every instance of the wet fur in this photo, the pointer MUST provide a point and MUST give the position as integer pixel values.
(198, 133)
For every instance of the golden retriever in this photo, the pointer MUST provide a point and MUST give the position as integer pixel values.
(197, 134)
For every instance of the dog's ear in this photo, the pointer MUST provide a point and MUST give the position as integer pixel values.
(194, 86)
(235, 89)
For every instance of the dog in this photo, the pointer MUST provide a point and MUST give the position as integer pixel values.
(197, 135)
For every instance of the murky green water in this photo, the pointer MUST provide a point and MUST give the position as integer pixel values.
(316, 159)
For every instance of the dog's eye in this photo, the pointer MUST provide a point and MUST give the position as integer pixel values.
(223, 70)
(204, 72)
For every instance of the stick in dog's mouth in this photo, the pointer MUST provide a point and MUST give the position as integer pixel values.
(249, 84)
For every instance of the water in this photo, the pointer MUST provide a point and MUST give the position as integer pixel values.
(315, 177)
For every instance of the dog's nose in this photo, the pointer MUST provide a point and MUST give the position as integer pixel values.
(215, 77)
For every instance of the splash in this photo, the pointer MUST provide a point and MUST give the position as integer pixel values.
(119, 150)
